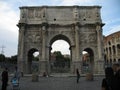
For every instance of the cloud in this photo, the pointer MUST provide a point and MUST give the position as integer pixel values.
(61, 45)
(8, 17)
(111, 26)
(8, 28)
(116, 20)
(77, 2)
(113, 29)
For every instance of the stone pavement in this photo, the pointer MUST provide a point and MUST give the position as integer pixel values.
(59, 83)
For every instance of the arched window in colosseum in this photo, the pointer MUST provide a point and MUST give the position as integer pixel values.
(105, 58)
(109, 43)
(114, 60)
(107, 61)
(118, 46)
(119, 60)
(114, 51)
(110, 62)
(110, 50)
(106, 50)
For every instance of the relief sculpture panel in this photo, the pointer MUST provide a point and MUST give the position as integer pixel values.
(88, 38)
(92, 38)
(36, 13)
(33, 37)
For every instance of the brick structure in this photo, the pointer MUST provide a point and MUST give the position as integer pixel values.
(112, 48)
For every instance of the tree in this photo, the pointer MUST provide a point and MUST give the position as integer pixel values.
(67, 61)
(14, 59)
(2, 58)
(35, 58)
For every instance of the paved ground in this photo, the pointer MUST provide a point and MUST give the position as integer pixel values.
(59, 83)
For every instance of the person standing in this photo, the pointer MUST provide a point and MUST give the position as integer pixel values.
(107, 82)
(17, 74)
(116, 68)
(78, 75)
(4, 79)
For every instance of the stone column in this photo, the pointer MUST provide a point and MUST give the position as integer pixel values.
(100, 62)
(21, 60)
(108, 54)
(43, 42)
(99, 41)
(43, 61)
(77, 43)
(76, 62)
(73, 58)
(116, 52)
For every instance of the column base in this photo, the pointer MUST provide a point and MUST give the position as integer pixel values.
(74, 66)
(43, 68)
(99, 67)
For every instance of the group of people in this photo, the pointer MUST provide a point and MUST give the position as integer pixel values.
(5, 77)
(110, 82)
(112, 78)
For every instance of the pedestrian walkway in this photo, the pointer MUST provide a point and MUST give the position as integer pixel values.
(59, 83)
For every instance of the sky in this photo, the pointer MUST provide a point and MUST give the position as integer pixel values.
(9, 18)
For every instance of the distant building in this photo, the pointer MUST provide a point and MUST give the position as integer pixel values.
(85, 57)
(112, 48)
(66, 55)
(52, 57)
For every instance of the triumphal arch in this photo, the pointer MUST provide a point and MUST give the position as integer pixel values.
(80, 26)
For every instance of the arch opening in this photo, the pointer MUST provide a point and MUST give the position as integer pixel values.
(60, 55)
(87, 60)
(33, 59)
(119, 60)
(114, 51)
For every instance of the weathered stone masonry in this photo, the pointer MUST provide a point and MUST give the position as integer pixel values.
(80, 26)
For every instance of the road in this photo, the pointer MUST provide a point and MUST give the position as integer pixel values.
(58, 83)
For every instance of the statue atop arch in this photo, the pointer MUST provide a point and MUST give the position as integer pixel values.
(80, 26)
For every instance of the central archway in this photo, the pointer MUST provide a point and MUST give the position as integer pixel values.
(59, 62)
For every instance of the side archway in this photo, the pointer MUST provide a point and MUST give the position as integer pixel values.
(32, 61)
(87, 60)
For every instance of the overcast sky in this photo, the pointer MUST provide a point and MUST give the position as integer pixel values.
(9, 17)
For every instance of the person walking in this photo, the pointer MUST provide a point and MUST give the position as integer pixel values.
(4, 79)
(107, 82)
(78, 75)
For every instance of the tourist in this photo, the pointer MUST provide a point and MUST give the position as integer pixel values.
(78, 75)
(107, 82)
(17, 74)
(116, 68)
(4, 79)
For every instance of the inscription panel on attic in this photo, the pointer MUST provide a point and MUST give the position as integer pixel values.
(57, 14)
